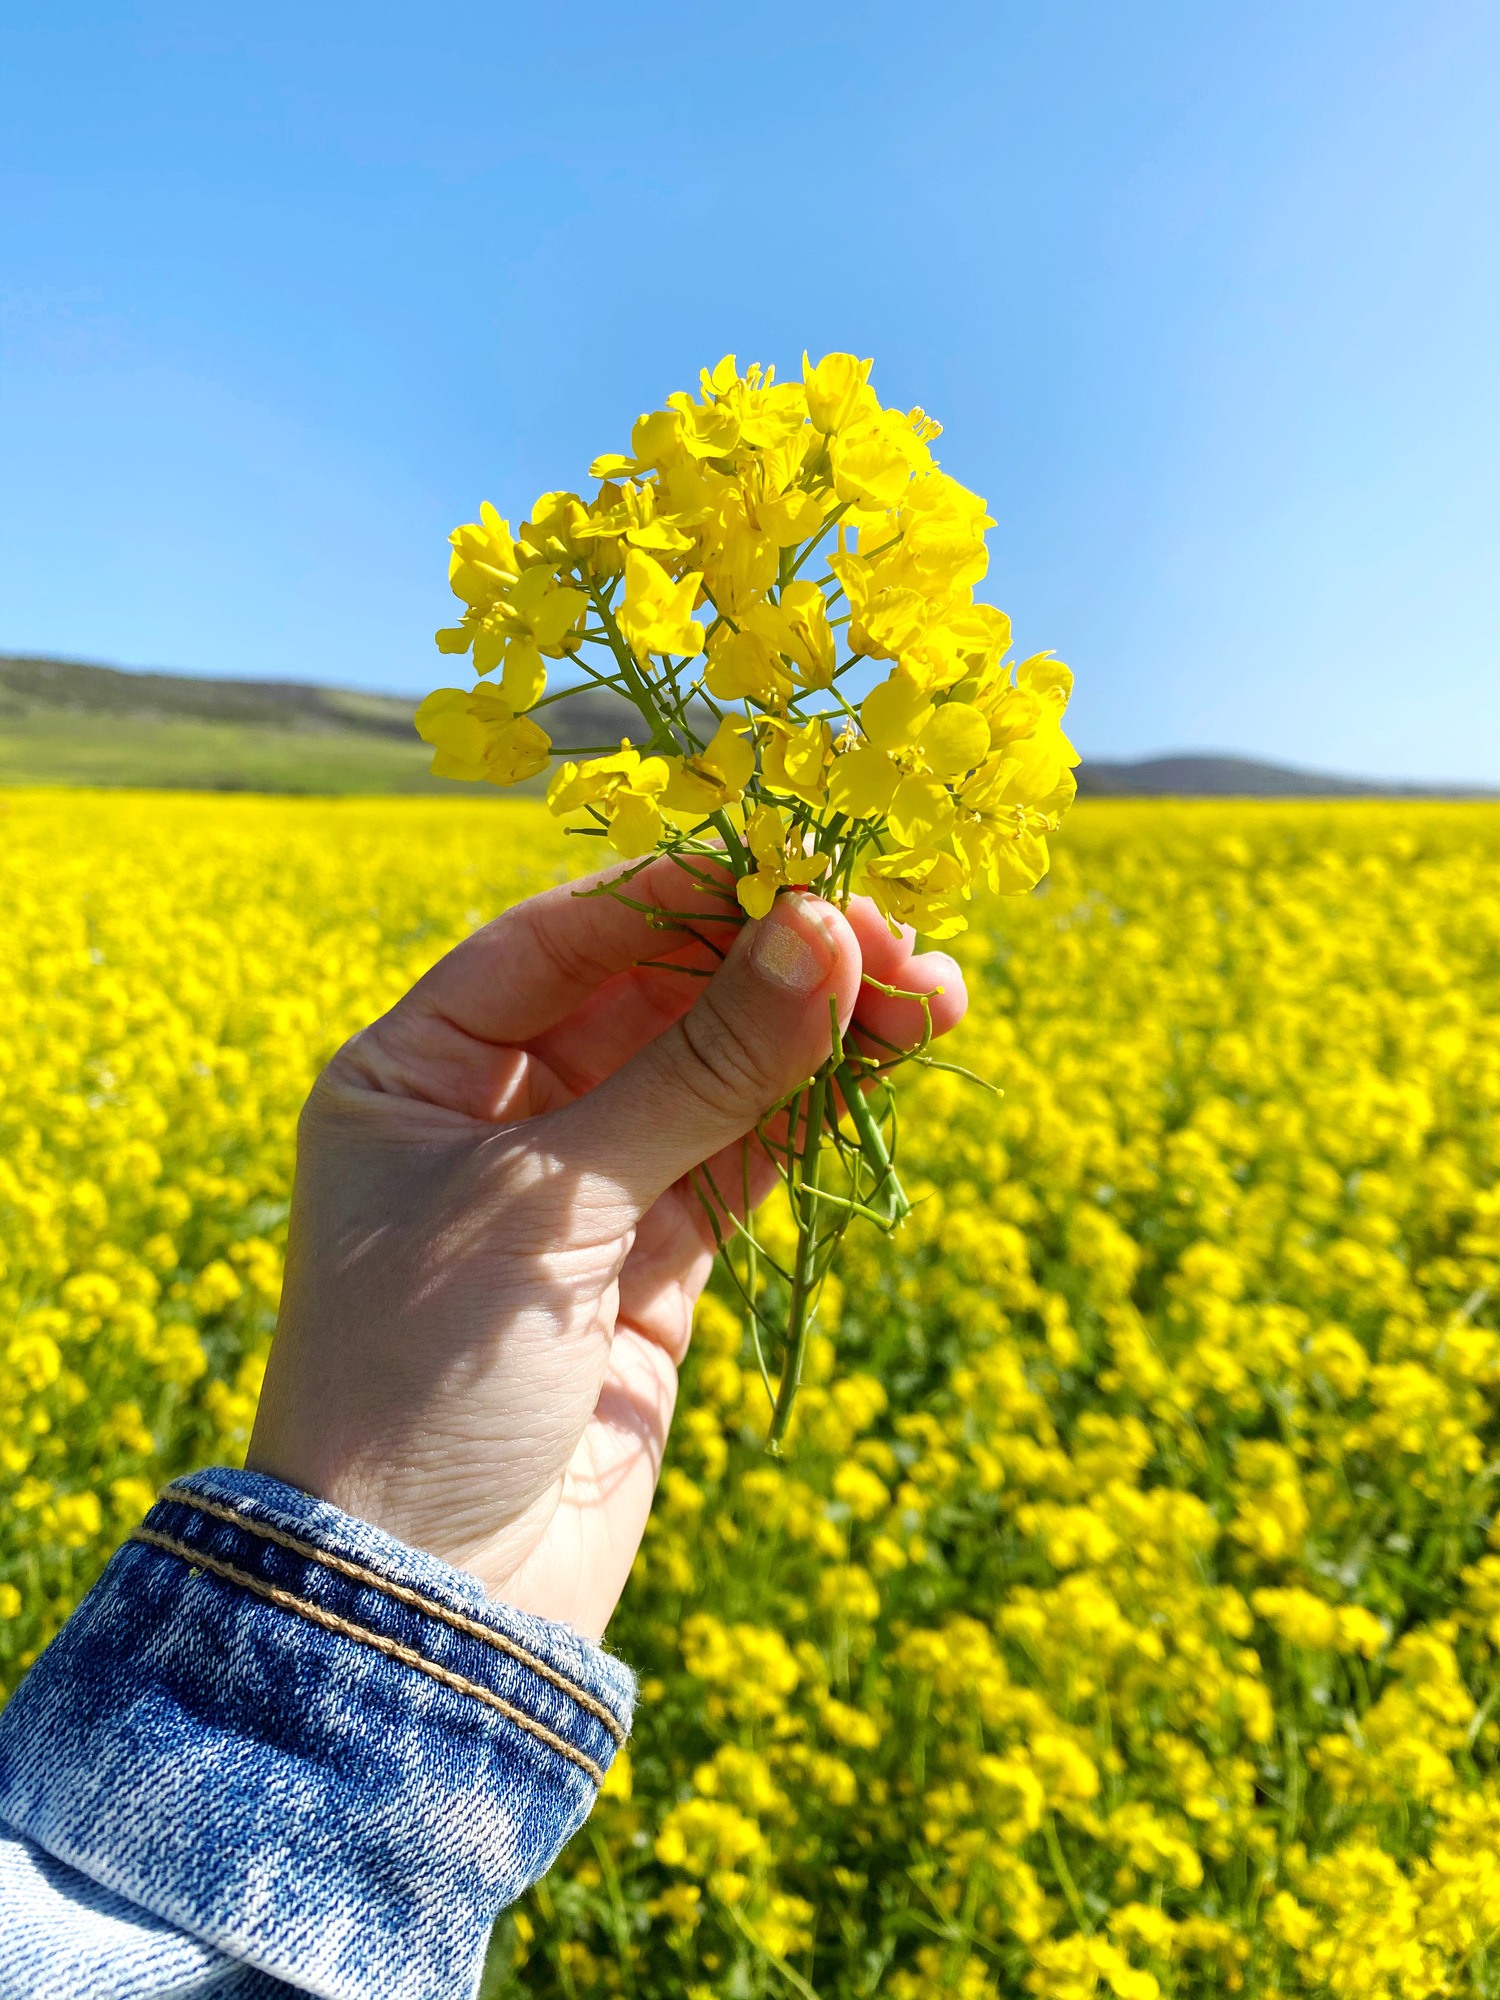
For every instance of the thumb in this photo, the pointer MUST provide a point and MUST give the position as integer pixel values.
(758, 1028)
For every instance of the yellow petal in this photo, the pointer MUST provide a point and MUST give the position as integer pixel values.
(635, 826)
(731, 753)
(558, 612)
(1044, 675)
(892, 713)
(656, 616)
(834, 389)
(862, 782)
(524, 681)
(446, 765)
(890, 623)
(872, 461)
(920, 810)
(446, 721)
(765, 833)
(792, 517)
(489, 649)
(516, 751)
(743, 666)
(1017, 865)
(955, 739)
(654, 438)
(576, 785)
(756, 893)
(650, 775)
(441, 702)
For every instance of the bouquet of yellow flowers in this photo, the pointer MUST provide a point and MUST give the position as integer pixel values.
(759, 544)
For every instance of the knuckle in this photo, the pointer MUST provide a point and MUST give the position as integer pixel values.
(569, 959)
(370, 1060)
(717, 1068)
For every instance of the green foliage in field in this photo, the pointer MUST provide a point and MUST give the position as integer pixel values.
(1124, 1619)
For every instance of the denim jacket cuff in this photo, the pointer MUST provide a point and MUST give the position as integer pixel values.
(323, 1752)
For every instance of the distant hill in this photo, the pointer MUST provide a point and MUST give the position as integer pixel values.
(1189, 776)
(72, 723)
(68, 722)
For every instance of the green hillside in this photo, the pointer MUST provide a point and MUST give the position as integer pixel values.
(66, 723)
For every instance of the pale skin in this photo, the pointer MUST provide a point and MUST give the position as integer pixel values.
(495, 1248)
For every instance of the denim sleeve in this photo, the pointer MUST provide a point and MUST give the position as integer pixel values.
(284, 1751)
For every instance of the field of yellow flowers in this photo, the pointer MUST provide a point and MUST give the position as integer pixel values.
(1124, 1618)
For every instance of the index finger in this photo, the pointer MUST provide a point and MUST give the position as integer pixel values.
(530, 967)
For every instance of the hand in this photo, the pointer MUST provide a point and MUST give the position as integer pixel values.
(494, 1253)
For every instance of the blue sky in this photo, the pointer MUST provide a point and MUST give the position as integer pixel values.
(1205, 296)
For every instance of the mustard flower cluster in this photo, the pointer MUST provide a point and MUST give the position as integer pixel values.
(681, 584)
(686, 584)
(1124, 1616)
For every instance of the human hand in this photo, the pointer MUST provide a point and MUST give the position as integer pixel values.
(494, 1251)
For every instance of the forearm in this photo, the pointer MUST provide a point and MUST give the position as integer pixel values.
(274, 1738)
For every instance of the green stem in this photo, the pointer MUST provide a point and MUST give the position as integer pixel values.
(821, 536)
(1065, 1875)
(734, 847)
(803, 1299)
(640, 688)
(872, 1145)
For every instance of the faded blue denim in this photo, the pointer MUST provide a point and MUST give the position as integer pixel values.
(207, 1792)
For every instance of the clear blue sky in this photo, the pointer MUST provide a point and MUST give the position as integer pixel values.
(1205, 295)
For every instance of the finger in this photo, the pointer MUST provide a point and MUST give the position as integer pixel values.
(894, 1023)
(538, 961)
(631, 1009)
(895, 962)
(882, 949)
(761, 1025)
(621, 1016)
(455, 1039)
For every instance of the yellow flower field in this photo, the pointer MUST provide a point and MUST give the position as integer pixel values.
(1123, 1619)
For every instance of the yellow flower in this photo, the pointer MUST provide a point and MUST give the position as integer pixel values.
(483, 566)
(703, 1835)
(533, 617)
(920, 886)
(835, 389)
(715, 776)
(657, 615)
(780, 861)
(517, 609)
(874, 458)
(624, 788)
(744, 666)
(887, 622)
(1001, 845)
(797, 627)
(479, 735)
(796, 759)
(1305, 1620)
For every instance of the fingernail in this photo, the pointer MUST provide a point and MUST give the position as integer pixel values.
(798, 958)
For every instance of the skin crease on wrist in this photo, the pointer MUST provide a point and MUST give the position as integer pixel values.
(494, 1253)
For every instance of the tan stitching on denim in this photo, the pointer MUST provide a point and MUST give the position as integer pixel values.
(287, 1601)
(470, 1626)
